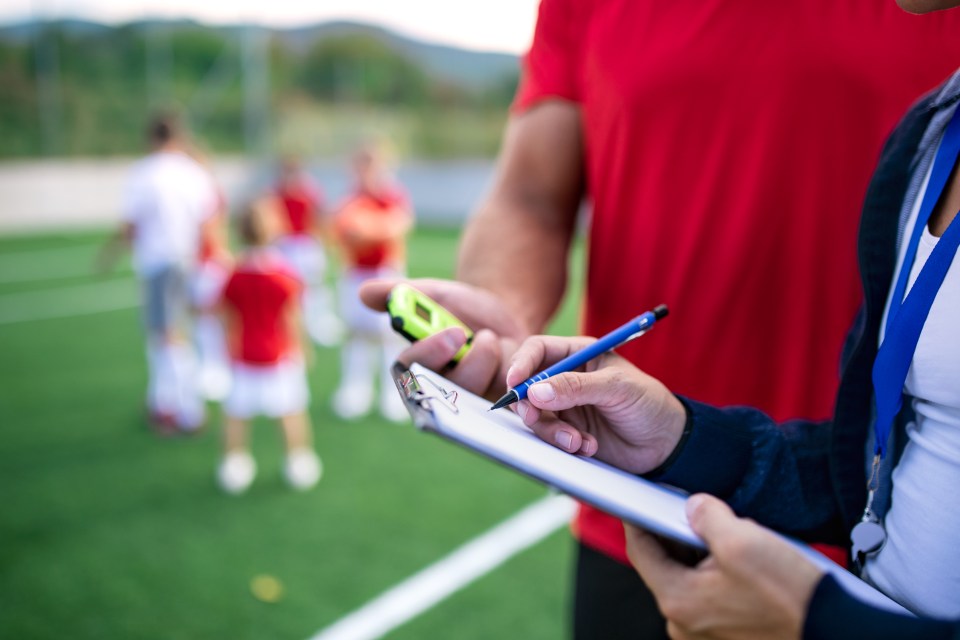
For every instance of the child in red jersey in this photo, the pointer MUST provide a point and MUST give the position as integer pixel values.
(371, 228)
(302, 245)
(262, 313)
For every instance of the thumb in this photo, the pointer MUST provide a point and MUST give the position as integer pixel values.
(711, 519)
(373, 293)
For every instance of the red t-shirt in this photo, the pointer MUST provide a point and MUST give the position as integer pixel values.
(365, 208)
(728, 146)
(301, 202)
(260, 291)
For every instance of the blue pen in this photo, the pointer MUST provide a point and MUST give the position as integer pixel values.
(616, 338)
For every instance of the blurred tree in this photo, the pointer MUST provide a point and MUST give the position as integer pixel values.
(18, 108)
(501, 93)
(360, 68)
(105, 79)
(196, 49)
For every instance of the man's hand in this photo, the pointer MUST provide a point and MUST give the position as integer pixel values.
(110, 252)
(496, 336)
(610, 409)
(752, 585)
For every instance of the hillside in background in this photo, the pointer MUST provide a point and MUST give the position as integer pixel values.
(81, 88)
(468, 68)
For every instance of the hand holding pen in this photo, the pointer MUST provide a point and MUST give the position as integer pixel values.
(610, 410)
(617, 338)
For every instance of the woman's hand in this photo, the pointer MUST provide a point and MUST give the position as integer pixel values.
(609, 409)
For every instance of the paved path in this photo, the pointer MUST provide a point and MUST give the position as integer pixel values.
(63, 194)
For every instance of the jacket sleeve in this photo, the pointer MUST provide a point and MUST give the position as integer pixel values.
(777, 474)
(834, 614)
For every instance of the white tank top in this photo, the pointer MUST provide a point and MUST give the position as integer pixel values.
(919, 566)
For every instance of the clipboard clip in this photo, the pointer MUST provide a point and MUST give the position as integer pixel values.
(412, 387)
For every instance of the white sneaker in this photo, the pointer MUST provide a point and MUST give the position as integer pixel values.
(302, 469)
(236, 472)
(352, 401)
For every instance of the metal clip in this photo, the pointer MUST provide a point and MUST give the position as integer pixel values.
(868, 535)
(874, 480)
(448, 398)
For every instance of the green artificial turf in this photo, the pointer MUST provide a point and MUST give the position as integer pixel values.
(108, 531)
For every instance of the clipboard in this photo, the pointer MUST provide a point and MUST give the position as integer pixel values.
(439, 406)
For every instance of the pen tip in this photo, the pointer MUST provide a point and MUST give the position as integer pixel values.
(509, 398)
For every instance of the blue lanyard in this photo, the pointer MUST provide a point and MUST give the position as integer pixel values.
(905, 319)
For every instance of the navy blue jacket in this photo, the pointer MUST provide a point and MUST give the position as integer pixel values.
(808, 479)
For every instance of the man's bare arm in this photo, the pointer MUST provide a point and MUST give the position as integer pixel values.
(517, 243)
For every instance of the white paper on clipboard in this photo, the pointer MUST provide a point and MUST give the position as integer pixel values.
(439, 406)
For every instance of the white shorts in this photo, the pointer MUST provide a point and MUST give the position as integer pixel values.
(305, 255)
(273, 390)
(206, 283)
(358, 317)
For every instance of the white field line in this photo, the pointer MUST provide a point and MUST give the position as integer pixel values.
(67, 302)
(47, 264)
(448, 575)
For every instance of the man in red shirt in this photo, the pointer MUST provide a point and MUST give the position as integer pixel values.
(167, 207)
(302, 245)
(261, 307)
(710, 138)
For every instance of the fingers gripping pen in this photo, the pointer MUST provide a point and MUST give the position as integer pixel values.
(616, 338)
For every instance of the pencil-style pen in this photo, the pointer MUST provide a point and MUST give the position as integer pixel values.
(616, 338)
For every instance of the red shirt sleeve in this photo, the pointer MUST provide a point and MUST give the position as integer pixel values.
(551, 67)
(231, 291)
(291, 286)
(296, 288)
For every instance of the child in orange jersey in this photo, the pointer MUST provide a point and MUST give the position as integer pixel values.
(371, 227)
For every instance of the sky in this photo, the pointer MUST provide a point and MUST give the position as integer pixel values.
(492, 25)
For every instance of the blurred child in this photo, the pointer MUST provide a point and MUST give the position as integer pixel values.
(213, 267)
(302, 245)
(371, 228)
(262, 315)
(168, 201)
